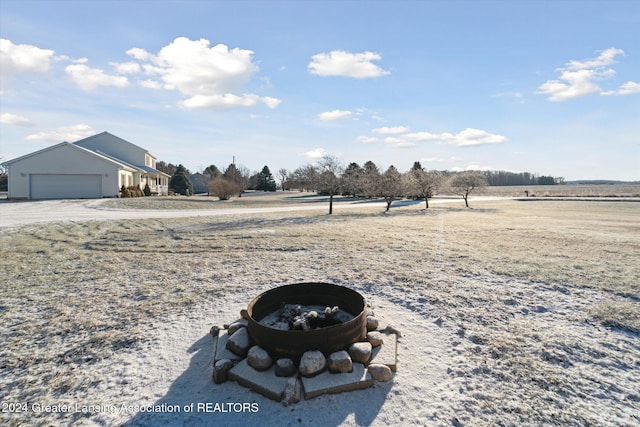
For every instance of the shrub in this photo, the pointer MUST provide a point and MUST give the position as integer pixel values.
(224, 188)
(147, 190)
(131, 191)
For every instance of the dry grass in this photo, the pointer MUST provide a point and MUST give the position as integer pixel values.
(577, 190)
(295, 198)
(249, 200)
(540, 299)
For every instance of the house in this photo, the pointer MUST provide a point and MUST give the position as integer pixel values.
(93, 167)
(200, 183)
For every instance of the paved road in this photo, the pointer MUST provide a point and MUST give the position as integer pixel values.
(15, 214)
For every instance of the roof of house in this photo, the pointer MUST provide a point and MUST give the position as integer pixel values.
(89, 138)
(97, 153)
(101, 156)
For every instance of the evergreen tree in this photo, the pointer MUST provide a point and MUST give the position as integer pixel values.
(212, 171)
(266, 182)
(352, 180)
(180, 181)
(370, 179)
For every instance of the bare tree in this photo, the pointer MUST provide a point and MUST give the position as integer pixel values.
(306, 177)
(283, 175)
(391, 186)
(330, 170)
(423, 184)
(464, 183)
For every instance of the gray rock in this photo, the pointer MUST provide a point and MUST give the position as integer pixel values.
(360, 352)
(292, 392)
(340, 362)
(380, 372)
(285, 368)
(221, 369)
(214, 331)
(375, 338)
(240, 323)
(372, 323)
(239, 342)
(258, 358)
(312, 363)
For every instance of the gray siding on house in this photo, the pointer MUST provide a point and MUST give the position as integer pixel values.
(61, 159)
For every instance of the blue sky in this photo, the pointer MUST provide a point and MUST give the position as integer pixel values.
(545, 87)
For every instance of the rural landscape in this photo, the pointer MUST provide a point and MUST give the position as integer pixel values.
(460, 177)
(512, 312)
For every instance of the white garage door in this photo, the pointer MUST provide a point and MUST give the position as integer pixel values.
(44, 186)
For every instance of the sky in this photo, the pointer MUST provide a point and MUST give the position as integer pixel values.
(548, 87)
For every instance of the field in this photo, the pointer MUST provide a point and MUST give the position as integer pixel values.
(512, 313)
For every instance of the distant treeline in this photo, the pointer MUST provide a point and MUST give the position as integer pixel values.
(601, 182)
(503, 178)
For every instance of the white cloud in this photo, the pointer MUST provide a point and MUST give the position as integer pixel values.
(88, 78)
(606, 57)
(270, 101)
(126, 67)
(228, 100)
(477, 167)
(150, 84)
(64, 133)
(399, 142)
(367, 139)
(466, 138)
(334, 115)
(210, 77)
(390, 130)
(579, 78)
(628, 88)
(471, 137)
(16, 58)
(14, 120)
(139, 54)
(440, 160)
(341, 63)
(316, 153)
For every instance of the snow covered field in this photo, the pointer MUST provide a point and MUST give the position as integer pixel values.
(511, 313)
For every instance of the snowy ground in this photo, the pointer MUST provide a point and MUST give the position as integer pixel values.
(115, 314)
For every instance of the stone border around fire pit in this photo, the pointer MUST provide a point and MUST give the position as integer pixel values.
(236, 358)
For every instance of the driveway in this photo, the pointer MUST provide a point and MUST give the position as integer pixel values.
(16, 214)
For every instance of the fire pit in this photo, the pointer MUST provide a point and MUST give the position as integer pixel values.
(293, 343)
(305, 339)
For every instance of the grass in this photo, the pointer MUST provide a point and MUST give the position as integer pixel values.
(249, 200)
(252, 199)
(76, 293)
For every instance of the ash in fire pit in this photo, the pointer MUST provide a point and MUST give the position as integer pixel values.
(296, 317)
(271, 323)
